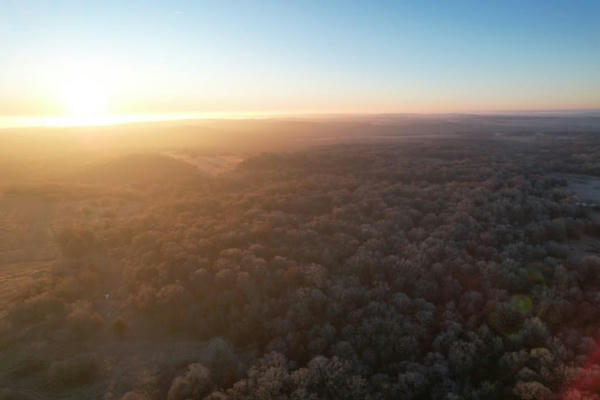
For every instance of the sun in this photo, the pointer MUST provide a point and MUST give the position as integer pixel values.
(83, 97)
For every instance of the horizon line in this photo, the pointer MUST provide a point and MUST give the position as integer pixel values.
(73, 121)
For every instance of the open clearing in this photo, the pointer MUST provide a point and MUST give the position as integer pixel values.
(28, 225)
(211, 165)
(585, 187)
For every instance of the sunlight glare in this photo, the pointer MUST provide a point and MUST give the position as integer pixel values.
(84, 98)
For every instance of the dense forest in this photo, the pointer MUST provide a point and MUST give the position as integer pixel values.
(441, 268)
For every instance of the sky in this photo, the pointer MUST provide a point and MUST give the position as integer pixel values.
(177, 57)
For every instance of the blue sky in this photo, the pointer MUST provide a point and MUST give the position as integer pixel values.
(329, 56)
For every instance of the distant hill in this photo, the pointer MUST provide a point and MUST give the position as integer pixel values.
(144, 168)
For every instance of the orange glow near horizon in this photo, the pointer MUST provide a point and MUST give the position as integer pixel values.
(85, 109)
(98, 119)
(82, 90)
